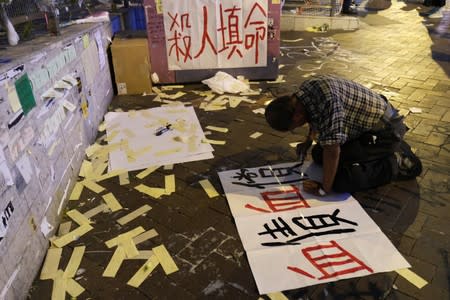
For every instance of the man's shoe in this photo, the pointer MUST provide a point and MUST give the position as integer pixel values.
(409, 165)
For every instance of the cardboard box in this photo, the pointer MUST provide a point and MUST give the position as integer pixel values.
(132, 68)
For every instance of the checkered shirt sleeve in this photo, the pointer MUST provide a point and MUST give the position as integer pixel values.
(339, 109)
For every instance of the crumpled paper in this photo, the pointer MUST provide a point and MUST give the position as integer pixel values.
(225, 83)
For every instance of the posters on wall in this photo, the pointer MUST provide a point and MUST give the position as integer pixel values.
(215, 34)
(291, 235)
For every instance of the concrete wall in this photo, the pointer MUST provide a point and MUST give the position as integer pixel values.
(43, 149)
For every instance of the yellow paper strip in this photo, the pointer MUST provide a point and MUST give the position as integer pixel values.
(51, 263)
(96, 210)
(112, 202)
(277, 296)
(110, 174)
(102, 127)
(76, 192)
(131, 234)
(145, 236)
(129, 246)
(147, 172)
(59, 286)
(213, 142)
(72, 236)
(96, 188)
(209, 188)
(169, 181)
(92, 149)
(412, 277)
(219, 129)
(153, 192)
(256, 135)
(74, 262)
(111, 136)
(143, 254)
(64, 228)
(115, 263)
(73, 288)
(98, 170)
(165, 259)
(129, 133)
(124, 178)
(86, 169)
(143, 272)
(133, 215)
(167, 152)
(168, 167)
(77, 217)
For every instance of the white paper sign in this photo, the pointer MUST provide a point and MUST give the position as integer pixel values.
(294, 239)
(206, 34)
(157, 136)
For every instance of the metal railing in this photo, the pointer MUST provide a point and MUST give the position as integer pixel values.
(314, 7)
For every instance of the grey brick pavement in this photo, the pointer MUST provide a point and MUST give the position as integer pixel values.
(395, 52)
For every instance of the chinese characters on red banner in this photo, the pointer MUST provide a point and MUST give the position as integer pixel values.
(216, 34)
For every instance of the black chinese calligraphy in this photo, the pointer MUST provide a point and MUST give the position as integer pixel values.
(314, 225)
(281, 175)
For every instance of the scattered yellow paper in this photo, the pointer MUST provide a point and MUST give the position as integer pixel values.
(213, 142)
(102, 127)
(133, 215)
(51, 263)
(96, 210)
(129, 234)
(59, 286)
(144, 272)
(167, 152)
(256, 135)
(169, 184)
(92, 149)
(111, 135)
(77, 217)
(168, 167)
(147, 172)
(86, 41)
(145, 236)
(112, 202)
(86, 169)
(74, 262)
(110, 175)
(151, 191)
(129, 246)
(64, 228)
(76, 192)
(412, 277)
(143, 254)
(219, 129)
(277, 296)
(124, 178)
(13, 99)
(209, 188)
(72, 235)
(98, 170)
(165, 259)
(115, 263)
(73, 288)
(96, 188)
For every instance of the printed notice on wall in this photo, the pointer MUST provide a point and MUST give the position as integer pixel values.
(215, 34)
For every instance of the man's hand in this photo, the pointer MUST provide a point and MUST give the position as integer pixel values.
(313, 187)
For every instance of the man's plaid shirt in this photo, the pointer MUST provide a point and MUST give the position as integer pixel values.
(339, 109)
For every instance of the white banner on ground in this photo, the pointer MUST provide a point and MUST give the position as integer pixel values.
(155, 137)
(294, 239)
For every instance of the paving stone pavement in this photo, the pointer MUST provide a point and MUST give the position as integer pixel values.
(396, 52)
